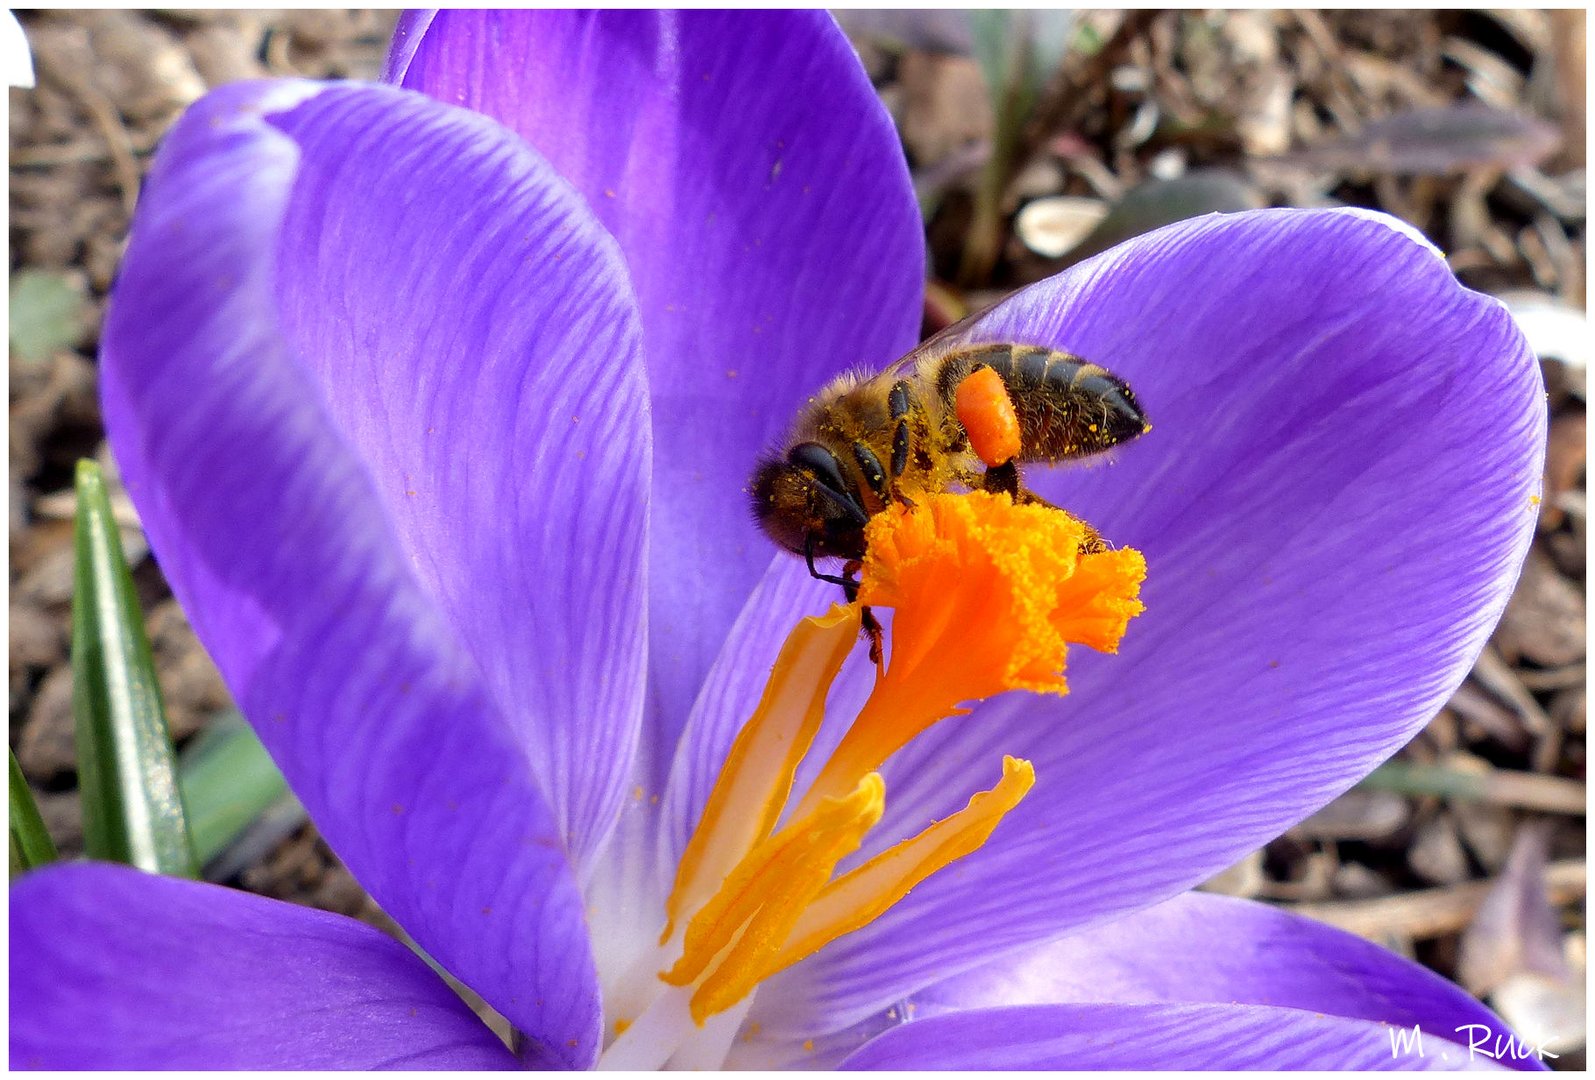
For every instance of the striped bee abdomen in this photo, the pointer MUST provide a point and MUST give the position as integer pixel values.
(1068, 407)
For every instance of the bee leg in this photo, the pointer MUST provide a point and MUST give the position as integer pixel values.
(899, 402)
(872, 630)
(870, 625)
(849, 582)
(1092, 541)
(849, 587)
(1005, 478)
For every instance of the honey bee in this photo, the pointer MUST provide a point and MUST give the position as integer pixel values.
(933, 422)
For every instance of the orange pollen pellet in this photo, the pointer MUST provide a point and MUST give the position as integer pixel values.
(988, 416)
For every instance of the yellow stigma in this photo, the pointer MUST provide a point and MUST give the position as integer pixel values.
(986, 597)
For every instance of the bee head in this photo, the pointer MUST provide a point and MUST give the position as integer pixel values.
(805, 503)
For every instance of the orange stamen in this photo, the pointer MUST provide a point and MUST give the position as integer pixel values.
(863, 895)
(987, 596)
(770, 896)
(757, 775)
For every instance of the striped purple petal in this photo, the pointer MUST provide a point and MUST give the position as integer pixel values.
(757, 188)
(371, 373)
(116, 969)
(1155, 1038)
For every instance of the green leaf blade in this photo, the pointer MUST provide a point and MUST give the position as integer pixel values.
(132, 808)
(228, 780)
(31, 845)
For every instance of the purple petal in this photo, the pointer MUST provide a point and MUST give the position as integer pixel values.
(408, 31)
(116, 969)
(1198, 948)
(1194, 949)
(1334, 502)
(757, 188)
(493, 390)
(1160, 1037)
(343, 372)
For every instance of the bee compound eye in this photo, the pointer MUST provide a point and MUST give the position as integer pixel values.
(821, 464)
(819, 461)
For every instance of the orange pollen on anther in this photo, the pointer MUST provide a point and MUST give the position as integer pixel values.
(986, 597)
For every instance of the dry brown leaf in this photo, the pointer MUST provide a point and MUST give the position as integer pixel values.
(1357, 815)
(1544, 621)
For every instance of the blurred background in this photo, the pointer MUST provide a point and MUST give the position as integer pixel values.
(1036, 139)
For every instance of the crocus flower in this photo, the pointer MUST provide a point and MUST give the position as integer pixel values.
(438, 403)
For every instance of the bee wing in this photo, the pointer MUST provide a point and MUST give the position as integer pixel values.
(951, 338)
(922, 356)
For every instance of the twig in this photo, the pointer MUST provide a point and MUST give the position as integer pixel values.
(106, 117)
(1053, 111)
(1553, 678)
(76, 152)
(1477, 705)
(1341, 88)
(1432, 913)
(1496, 676)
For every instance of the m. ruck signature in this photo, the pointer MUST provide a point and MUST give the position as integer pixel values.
(1480, 1039)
